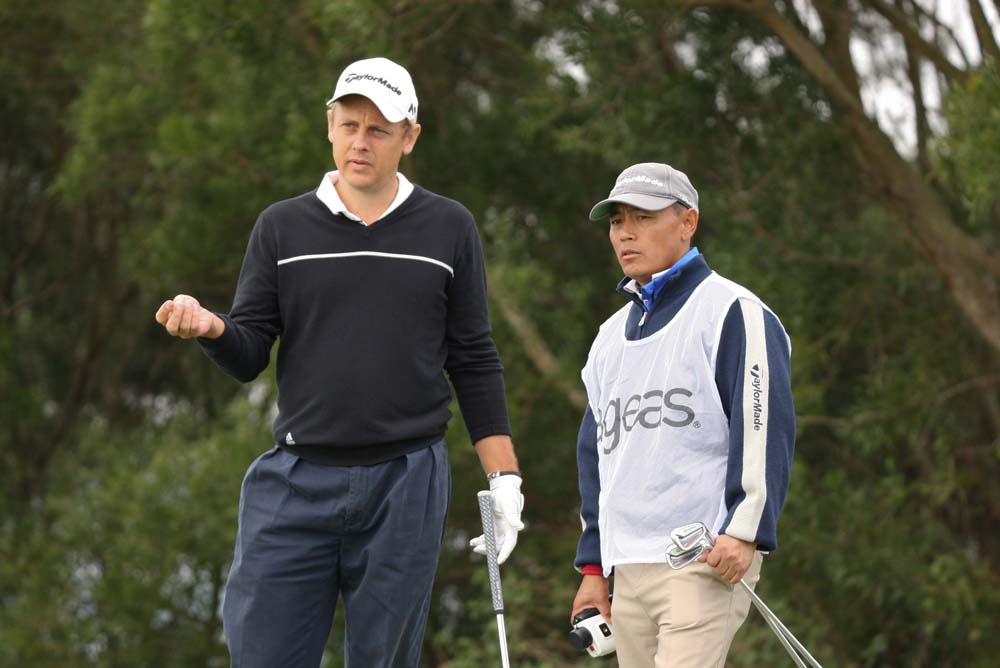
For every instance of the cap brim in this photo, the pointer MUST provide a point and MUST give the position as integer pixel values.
(645, 202)
(391, 113)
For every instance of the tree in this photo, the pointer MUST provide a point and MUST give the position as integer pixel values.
(820, 34)
(139, 148)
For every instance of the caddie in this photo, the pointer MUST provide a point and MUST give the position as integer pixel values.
(376, 288)
(689, 419)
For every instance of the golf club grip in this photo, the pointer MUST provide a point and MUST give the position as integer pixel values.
(486, 514)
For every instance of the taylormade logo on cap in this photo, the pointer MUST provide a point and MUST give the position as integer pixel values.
(640, 178)
(370, 77)
(651, 186)
(382, 81)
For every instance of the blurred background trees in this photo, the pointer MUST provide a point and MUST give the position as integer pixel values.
(847, 155)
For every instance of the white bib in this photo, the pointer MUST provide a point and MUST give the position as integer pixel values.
(662, 434)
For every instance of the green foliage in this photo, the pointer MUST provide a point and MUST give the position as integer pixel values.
(126, 559)
(973, 142)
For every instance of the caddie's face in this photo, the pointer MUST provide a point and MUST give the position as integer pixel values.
(366, 147)
(648, 242)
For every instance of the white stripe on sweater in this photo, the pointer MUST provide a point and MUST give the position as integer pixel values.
(323, 256)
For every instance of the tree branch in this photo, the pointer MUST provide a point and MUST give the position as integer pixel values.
(42, 219)
(837, 27)
(911, 36)
(984, 33)
(940, 28)
(11, 310)
(534, 345)
(792, 14)
(836, 421)
(743, 199)
(966, 385)
(666, 37)
(795, 255)
(920, 108)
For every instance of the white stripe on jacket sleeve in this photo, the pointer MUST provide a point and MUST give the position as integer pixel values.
(746, 519)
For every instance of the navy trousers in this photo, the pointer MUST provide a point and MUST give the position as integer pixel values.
(309, 533)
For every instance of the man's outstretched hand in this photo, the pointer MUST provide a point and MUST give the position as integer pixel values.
(184, 317)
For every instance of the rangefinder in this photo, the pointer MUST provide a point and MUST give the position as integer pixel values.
(592, 633)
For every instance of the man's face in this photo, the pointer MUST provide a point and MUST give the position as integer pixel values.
(648, 242)
(366, 147)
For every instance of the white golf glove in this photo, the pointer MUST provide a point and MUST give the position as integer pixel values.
(507, 505)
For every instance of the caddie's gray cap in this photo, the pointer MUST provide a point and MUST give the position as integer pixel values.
(382, 81)
(651, 186)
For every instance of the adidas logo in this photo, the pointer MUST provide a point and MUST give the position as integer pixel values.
(288, 439)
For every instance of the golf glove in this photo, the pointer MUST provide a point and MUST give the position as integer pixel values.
(507, 505)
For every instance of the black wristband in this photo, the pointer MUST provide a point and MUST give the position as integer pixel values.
(497, 474)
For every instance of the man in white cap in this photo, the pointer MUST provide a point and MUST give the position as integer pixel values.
(376, 288)
(689, 419)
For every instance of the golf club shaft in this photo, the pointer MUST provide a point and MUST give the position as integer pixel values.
(502, 632)
(489, 538)
(783, 640)
(691, 541)
(780, 629)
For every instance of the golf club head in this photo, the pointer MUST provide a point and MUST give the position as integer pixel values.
(690, 536)
(688, 542)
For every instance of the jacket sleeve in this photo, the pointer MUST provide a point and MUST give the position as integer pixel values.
(753, 376)
(588, 551)
(254, 322)
(472, 363)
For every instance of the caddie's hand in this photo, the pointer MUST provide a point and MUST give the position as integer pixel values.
(730, 557)
(185, 318)
(507, 505)
(593, 593)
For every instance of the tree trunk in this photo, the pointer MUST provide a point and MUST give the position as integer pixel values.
(968, 269)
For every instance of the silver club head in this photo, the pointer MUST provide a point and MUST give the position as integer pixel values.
(678, 559)
(687, 544)
(690, 536)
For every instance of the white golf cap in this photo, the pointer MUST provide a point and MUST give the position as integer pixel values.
(650, 186)
(382, 81)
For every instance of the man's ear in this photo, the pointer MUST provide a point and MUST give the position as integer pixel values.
(329, 123)
(410, 139)
(689, 223)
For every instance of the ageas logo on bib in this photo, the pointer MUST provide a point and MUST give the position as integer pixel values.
(651, 410)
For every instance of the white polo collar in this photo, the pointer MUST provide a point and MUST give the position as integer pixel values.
(636, 289)
(328, 194)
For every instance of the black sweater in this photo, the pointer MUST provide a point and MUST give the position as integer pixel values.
(368, 317)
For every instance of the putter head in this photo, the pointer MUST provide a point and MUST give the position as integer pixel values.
(688, 542)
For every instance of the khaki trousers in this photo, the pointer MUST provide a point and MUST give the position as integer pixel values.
(664, 618)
